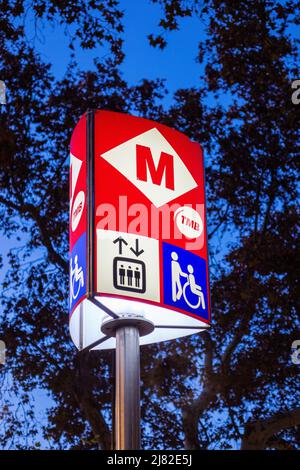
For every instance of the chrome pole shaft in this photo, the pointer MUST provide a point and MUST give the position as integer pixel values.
(127, 415)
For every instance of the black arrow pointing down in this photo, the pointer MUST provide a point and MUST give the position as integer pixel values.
(136, 251)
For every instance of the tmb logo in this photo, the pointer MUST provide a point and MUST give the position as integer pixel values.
(153, 166)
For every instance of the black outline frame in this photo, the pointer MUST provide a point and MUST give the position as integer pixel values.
(143, 277)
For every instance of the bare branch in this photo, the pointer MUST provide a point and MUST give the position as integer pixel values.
(191, 414)
(257, 434)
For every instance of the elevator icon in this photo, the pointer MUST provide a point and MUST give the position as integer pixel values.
(129, 274)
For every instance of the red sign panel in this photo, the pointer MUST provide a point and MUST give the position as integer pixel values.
(149, 195)
(78, 215)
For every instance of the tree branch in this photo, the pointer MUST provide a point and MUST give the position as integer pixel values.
(222, 220)
(191, 413)
(91, 409)
(257, 434)
(30, 210)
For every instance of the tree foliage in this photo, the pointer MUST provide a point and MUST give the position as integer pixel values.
(234, 385)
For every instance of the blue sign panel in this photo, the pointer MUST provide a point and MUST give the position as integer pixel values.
(185, 285)
(77, 272)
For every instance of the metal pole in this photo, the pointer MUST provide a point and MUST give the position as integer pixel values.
(113, 400)
(127, 417)
(127, 329)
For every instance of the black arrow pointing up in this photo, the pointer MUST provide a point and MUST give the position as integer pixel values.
(120, 240)
(137, 252)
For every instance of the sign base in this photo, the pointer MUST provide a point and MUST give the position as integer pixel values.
(110, 325)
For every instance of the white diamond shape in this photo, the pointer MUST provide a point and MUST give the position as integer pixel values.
(123, 158)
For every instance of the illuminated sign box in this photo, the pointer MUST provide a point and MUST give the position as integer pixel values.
(137, 229)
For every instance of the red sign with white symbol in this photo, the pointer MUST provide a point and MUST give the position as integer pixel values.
(78, 182)
(147, 248)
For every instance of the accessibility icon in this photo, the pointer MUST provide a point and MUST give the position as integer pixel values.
(77, 279)
(189, 286)
(185, 284)
(78, 271)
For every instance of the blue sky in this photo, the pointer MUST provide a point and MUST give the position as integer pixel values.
(175, 64)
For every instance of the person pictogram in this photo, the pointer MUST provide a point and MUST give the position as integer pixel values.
(137, 277)
(129, 273)
(122, 274)
(176, 273)
(190, 290)
(195, 289)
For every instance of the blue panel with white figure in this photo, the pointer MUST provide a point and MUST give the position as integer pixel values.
(185, 285)
(77, 271)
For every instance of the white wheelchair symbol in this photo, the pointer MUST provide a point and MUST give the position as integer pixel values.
(190, 291)
(77, 279)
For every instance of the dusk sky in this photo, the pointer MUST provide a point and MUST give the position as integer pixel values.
(91, 262)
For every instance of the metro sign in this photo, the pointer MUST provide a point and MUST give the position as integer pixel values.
(137, 228)
(153, 166)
